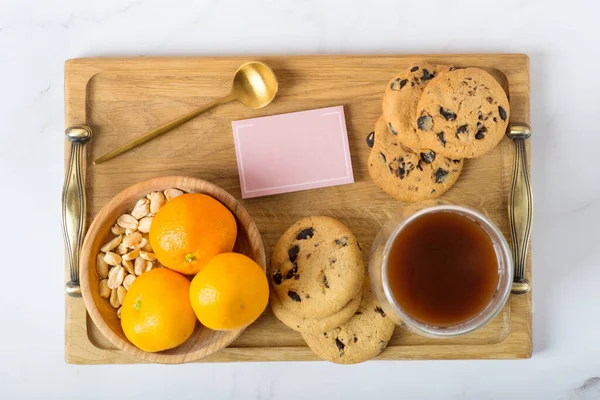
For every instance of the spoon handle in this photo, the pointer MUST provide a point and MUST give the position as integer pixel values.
(520, 213)
(161, 130)
(74, 204)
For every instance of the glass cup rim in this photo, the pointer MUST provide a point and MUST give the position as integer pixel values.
(483, 317)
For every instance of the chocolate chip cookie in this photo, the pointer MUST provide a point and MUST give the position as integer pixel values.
(359, 339)
(309, 325)
(316, 267)
(463, 113)
(402, 95)
(409, 175)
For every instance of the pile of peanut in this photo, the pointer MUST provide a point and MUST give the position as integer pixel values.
(129, 254)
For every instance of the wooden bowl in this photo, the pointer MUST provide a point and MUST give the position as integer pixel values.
(203, 341)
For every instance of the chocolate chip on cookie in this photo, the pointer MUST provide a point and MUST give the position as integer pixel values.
(293, 253)
(441, 138)
(440, 175)
(277, 277)
(425, 123)
(342, 242)
(428, 156)
(294, 296)
(306, 233)
(398, 84)
(449, 115)
(480, 133)
(371, 139)
(427, 75)
(502, 113)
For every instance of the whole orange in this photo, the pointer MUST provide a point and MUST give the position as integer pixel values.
(190, 230)
(156, 313)
(230, 292)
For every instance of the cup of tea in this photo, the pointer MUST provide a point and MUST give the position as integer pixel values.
(440, 269)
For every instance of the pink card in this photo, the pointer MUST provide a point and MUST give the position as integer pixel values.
(291, 152)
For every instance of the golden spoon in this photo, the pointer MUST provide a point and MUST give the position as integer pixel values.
(254, 85)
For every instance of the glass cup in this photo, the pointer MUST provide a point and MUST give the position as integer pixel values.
(378, 267)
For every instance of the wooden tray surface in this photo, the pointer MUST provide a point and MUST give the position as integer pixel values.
(123, 98)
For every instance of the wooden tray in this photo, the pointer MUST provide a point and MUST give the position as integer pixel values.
(123, 98)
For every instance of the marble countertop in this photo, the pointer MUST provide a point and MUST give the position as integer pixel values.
(561, 38)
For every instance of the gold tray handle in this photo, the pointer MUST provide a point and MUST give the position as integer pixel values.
(520, 207)
(73, 204)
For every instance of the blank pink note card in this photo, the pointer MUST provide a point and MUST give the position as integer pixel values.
(290, 152)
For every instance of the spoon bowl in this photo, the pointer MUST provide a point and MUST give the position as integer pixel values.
(254, 85)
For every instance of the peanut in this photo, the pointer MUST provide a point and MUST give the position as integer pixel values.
(117, 230)
(132, 255)
(101, 266)
(172, 193)
(127, 221)
(128, 281)
(157, 200)
(116, 276)
(121, 249)
(138, 266)
(143, 243)
(147, 256)
(141, 209)
(144, 224)
(121, 292)
(114, 298)
(112, 258)
(132, 239)
(111, 244)
(104, 289)
(149, 266)
(128, 265)
(147, 248)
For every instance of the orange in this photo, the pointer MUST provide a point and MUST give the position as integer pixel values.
(190, 230)
(229, 293)
(156, 313)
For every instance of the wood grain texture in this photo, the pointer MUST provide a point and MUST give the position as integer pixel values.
(123, 98)
(203, 341)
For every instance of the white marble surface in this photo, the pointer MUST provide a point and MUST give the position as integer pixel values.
(561, 37)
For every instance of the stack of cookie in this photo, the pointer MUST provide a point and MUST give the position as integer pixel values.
(319, 289)
(434, 116)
